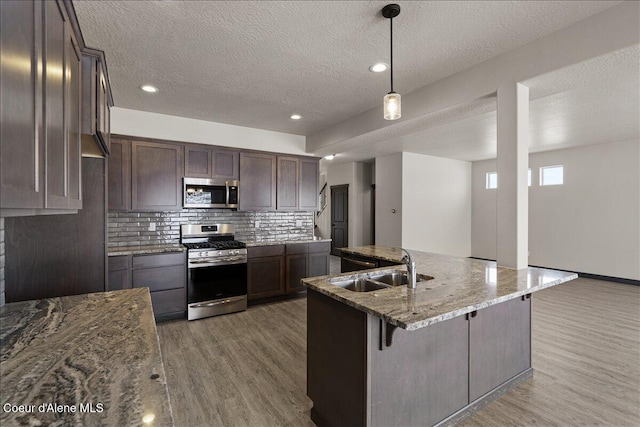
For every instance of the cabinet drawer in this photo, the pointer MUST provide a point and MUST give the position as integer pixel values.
(319, 247)
(297, 248)
(120, 262)
(263, 251)
(158, 260)
(170, 301)
(161, 278)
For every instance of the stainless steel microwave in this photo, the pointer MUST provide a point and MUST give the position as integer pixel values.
(210, 193)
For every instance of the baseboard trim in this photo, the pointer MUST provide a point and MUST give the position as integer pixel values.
(581, 274)
(475, 406)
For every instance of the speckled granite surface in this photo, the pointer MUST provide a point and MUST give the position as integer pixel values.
(148, 249)
(460, 285)
(286, 242)
(100, 349)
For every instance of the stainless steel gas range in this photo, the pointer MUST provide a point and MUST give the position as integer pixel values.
(217, 270)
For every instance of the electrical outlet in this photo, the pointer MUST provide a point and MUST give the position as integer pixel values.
(152, 226)
(298, 223)
(256, 224)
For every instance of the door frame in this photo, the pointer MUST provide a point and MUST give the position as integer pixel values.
(334, 250)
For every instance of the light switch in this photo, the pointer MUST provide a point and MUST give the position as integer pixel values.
(256, 224)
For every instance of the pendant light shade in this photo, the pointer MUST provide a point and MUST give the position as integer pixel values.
(392, 106)
(392, 101)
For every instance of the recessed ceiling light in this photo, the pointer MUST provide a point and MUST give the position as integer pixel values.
(149, 88)
(330, 156)
(295, 117)
(379, 67)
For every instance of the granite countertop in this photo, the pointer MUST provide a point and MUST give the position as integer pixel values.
(97, 349)
(285, 242)
(148, 249)
(460, 286)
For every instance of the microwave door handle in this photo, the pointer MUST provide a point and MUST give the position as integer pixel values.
(226, 186)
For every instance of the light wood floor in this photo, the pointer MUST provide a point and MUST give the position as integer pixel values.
(249, 369)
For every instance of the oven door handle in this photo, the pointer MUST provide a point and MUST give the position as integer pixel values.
(214, 303)
(221, 261)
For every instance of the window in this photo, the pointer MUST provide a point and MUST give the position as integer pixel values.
(492, 180)
(552, 175)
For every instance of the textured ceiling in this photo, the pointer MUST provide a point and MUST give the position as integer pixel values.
(592, 102)
(253, 63)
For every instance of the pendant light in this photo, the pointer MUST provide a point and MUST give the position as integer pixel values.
(392, 106)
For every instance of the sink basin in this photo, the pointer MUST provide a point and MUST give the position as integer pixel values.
(397, 278)
(376, 281)
(361, 285)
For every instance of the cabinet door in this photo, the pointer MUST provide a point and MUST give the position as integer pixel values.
(308, 187)
(265, 277)
(258, 181)
(225, 164)
(73, 91)
(56, 31)
(156, 178)
(119, 273)
(119, 280)
(499, 345)
(197, 161)
(120, 175)
(318, 264)
(296, 271)
(21, 167)
(288, 175)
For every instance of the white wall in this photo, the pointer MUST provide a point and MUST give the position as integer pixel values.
(357, 176)
(388, 176)
(161, 126)
(591, 224)
(436, 204)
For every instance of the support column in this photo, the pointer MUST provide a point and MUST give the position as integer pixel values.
(513, 163)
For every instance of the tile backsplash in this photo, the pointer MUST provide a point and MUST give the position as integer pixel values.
(154, 228)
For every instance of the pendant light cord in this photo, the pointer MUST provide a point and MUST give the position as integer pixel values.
(391, 49)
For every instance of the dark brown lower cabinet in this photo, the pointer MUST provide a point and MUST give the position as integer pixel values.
(265, 271)
(278, 270)
(363, 372)
(297, 266)
(119, 273)
(164, 274)
(319, 258)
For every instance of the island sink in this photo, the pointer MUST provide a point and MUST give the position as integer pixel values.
(376, 281)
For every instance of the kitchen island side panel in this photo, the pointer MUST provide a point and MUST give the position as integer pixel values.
(336, 361)
(422, 377)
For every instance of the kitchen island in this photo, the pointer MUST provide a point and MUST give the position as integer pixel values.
(91, 360)
(426, 356)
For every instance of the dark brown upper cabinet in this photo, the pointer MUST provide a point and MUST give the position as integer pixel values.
(156, 176)
(258, 181)
(201, 161)
(197, 161)
(96, 104)
(308, 187)
(288, 183)
(40, 165)
(119, 180)
(226, 163)
(297, 183)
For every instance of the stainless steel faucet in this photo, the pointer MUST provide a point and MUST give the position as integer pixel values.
(411, 269)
